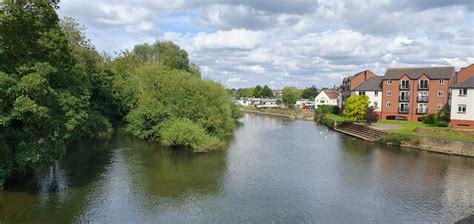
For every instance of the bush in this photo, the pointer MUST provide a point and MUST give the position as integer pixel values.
(441, 119)
(328, 122)
(327, 109)
(394, 139)
(182, 132)
(371, 117)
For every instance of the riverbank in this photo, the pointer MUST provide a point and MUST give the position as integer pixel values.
(269, 113)
(418, 136)
(285, 112)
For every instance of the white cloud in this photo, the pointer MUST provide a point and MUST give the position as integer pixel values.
(239, 39)
(256, 69)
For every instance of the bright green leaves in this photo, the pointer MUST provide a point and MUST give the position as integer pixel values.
(291, 95)
(356, 107)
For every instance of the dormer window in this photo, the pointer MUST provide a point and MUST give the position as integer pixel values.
(423, 84)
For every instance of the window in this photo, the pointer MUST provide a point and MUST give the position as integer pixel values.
(361, 92)
(440, 94)
(423, 96)
(404, 96)
(403, 107)
(405, 84)
(389, 82)
(388, 104)
(389, 93)
(461, 108)
(462, 92)
(422, 108)
(376, 105)
(440, 106)
(441, 82)
(376, 93)
(423, 84)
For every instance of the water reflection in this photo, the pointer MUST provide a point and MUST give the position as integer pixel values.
(276, 170)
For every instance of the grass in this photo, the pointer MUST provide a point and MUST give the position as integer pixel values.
(409, 128)
(336, 117)
(285, 111)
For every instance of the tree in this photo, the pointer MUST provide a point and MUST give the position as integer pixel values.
(356, 107)
(371, 117)
(166, 53)
(291, 95)
(257, 92)
(266, 92)
(310, 92)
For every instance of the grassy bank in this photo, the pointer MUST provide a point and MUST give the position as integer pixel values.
(281, 111)
(421, 129)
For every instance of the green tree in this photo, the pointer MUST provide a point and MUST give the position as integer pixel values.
(257, 92)
(356, 107)
(266, 91)
(166, 52)
(291, 95)
(310, 92)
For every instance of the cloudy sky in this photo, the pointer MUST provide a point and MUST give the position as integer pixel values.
(242, 43)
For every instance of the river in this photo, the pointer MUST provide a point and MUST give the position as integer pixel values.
(276, 170)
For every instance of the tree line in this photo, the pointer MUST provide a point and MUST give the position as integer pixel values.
(56, 88)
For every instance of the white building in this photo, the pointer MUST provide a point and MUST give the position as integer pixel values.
(303, 102)
(373, 89)
(326, 97)
(257, 102)
(462, 104)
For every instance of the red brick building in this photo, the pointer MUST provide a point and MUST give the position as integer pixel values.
(352, 82)
(410, 93)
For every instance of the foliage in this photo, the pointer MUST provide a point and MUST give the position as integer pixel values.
(441, 119)
(371, 117)
(310, 92)
(356, 107)
(291, 95)
(395, 139)
(327, 109)
(182, 132)
(163, 93)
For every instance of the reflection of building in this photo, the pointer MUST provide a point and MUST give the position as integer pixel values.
(326, 97)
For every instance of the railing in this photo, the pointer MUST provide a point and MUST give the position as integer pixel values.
(422, 99)
(403, 110)
(404, 99)
(423, 87)
(421, 111)
(404, 87)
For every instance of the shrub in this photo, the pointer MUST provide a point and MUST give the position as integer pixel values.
(394, 139)
(442, 124)
(327, 109)
(371, 117)
(441, 119)
(182, 132)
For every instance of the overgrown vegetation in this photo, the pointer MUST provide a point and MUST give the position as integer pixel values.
(441, 119)
(326, 115)
(55, 88)
(394, 139)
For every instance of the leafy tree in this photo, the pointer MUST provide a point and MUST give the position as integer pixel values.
(167, 53)
(371, 117)
(356, 107)
(257, 92)
(291, 95)
(310, 92)
(266, 91)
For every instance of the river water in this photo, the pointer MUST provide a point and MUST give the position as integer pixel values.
(275, 170)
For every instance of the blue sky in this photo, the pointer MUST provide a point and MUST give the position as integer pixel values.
(301, 43)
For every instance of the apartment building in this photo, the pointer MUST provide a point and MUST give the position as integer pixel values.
(462, 99)
(352, 82)
(411, 93)
(373, 89)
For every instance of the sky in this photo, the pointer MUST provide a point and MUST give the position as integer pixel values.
(242, 43)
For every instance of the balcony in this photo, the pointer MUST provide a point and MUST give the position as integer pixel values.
(421, 111)
(422, 99)
(403, 110)
(404, 99)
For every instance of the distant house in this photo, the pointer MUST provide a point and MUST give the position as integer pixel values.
(301, 103)
(257, 102)
(277, 93)
(462, 99)
(326, 97)
(373, 89)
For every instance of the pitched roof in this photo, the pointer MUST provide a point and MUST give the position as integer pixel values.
(415, 73)
(372, 84)
(332, 94)
(468, 83)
